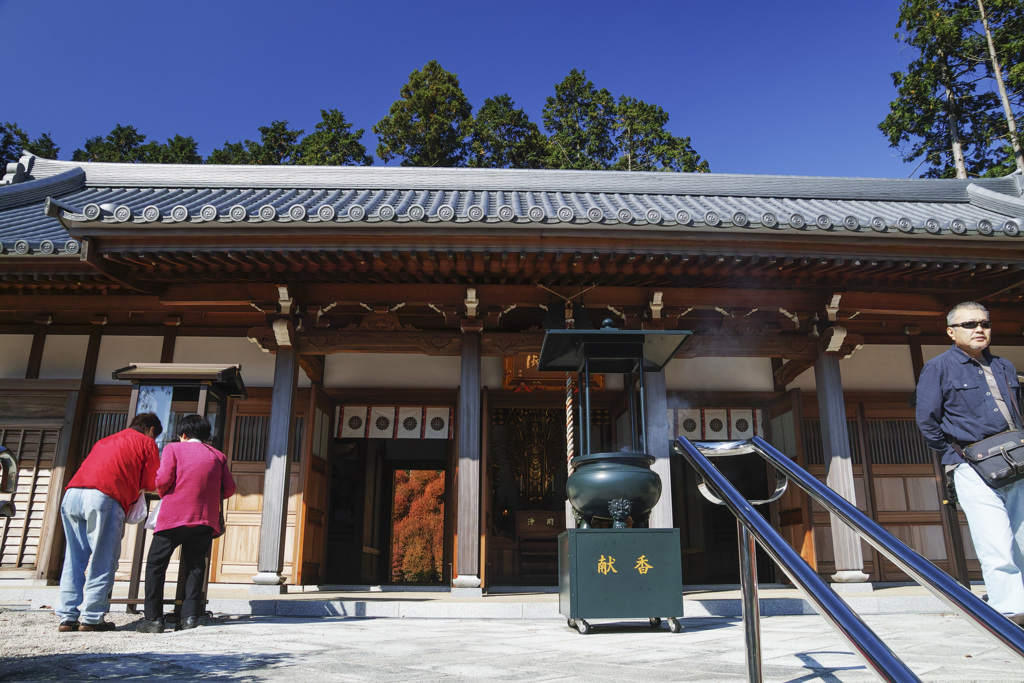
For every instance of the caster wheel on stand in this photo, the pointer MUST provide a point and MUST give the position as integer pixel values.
(583, 627)
(673, 625)
(655, 622)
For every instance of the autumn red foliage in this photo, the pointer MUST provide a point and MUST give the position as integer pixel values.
(417, 526)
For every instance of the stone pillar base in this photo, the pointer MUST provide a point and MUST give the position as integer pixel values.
(268, 583)
(466, 581)
(849, 576)
(467, 586)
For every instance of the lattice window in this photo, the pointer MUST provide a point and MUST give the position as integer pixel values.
(100, 425)
(897, 442)
(252, 433)
(813, 448)
(34, 451)
(889, 441)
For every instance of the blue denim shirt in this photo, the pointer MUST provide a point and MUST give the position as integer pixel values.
(954, 403)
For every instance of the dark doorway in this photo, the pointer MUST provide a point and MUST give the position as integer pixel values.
(527, 473)
(709, 533)
(387, 521)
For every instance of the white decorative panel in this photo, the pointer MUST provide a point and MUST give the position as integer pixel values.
(690, 423)
(716, 425)
(353, 422)
(382, 423)
(390, 422)
(741, 423)
(438, 423)
(64, 356)
(410, 423)
(14, 357)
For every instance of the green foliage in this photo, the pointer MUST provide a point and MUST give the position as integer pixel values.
(278, 145)
(581, 122)
(14, 141)
(177, 150)
(428, 125)
(43, 147)
(333, 143)
(504, 137)
(125, 144)
(645, 145)
(417, 526)
(948, 92)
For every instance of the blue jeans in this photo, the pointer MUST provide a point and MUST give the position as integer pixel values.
(93, 526)
(996, 521)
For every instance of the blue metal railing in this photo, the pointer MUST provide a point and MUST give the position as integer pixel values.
(752, 526)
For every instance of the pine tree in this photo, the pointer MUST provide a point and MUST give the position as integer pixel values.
(580, 120)
(504, 137)
(940, 116)
(429, 124)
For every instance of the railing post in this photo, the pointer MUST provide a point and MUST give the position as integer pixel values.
(751, 608)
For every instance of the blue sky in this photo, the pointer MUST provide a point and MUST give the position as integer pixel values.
(794, 87)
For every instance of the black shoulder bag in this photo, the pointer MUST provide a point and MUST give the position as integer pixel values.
(998, 459)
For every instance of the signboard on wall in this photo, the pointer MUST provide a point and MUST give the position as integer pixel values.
(521, 374)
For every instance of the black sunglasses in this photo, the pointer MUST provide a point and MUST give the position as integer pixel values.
(971, 324)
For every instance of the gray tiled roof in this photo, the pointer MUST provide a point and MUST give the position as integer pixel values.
(590, 200)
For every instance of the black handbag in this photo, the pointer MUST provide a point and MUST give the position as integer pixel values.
(998, 459)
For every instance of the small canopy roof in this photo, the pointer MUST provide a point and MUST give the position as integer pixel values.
(610, 350)
(227, 378)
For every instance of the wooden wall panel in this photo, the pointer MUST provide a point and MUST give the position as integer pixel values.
(20, 536)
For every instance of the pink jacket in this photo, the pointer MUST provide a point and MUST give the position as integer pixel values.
(192, 480)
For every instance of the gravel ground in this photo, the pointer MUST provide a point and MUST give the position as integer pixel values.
(33, 633)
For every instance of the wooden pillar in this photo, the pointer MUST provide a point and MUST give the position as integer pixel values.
(467, 561)
(35, 356)
(658, 437)
(838, 465)
(275, 480)
(65, 461)
(951, 534)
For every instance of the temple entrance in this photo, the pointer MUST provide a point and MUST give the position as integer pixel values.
(387, 521)
(526, 476)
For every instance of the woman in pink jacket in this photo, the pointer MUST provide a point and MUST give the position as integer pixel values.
(192, 481)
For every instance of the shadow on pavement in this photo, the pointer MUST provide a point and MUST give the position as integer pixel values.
(132, 666)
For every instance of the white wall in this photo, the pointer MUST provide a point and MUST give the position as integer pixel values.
(117, 352)
(16, 348)
(719, 374)
(874, 367)
(257, 366)
(64, 356)
(398, 370)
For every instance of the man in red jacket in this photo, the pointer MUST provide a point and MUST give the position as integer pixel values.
(105, 486)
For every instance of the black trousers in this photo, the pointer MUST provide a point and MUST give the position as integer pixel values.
(195, 542)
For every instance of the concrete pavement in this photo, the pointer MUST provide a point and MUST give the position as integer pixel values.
(365, 634)
(801, 648)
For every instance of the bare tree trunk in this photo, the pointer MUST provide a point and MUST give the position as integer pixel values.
(954, 123)
(1011, 123)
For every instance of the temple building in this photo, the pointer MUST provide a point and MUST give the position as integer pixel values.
(390, 425)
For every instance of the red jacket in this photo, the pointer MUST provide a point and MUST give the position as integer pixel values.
(192, 480)
(120, 466)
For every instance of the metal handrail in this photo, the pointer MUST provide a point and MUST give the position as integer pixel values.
(847, 624)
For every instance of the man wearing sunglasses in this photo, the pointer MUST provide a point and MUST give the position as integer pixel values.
(965, 394)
